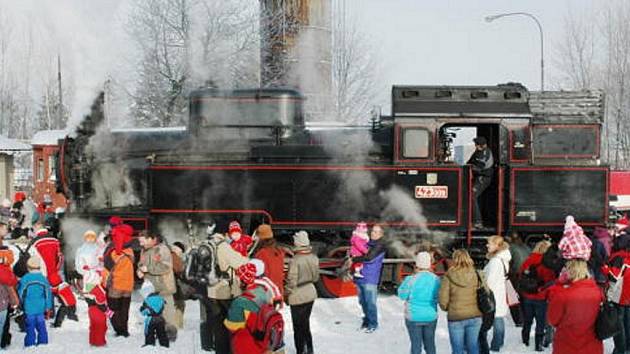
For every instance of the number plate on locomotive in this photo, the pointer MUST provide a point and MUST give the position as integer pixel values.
(432, 192)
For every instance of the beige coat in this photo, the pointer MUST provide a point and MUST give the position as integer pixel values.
(303, 272)
(458, 294)
(228, 261)
(159, 263)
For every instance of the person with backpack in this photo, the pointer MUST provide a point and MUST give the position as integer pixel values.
(156, 266)
(223, 285)
(420, 292)
(300, 291)
(619, 276)
(458, 297)
(119, 279)
(271, 255)
(48, 248)
(532, 282)
(248, 313)
(37, 303)
(151, 309)
(573, 309)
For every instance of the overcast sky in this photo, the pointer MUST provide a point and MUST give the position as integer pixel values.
(418, 41)
(448, 41)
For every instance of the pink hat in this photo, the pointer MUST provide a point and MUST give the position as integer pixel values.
(361, 230)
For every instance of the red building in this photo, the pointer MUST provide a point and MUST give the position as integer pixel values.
(45, 147)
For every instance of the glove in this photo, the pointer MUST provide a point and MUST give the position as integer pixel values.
(48, 315)
(86, 267)
(109, 313)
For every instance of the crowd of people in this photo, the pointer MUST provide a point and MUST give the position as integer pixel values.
(563, 288)
(243, 281)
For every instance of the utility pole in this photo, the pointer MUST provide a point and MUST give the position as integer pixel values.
(60, 110)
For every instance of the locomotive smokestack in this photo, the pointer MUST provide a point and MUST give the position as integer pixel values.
(296, 50)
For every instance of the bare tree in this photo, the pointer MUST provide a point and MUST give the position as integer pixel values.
(354, 69)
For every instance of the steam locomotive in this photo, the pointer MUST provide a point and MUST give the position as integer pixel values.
(250, 155)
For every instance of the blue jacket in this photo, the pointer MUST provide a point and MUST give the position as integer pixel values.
(35, 293)
(420, 293)
(152, 305)
(372, 263)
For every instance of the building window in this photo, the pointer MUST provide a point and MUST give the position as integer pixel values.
(416, 143)
(40, 170)
(52, 168)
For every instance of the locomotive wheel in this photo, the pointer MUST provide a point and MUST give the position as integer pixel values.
(330, 286)
(322, 290)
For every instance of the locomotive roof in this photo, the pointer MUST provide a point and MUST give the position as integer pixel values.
(279, 92)
(501, 100)
(586, 106)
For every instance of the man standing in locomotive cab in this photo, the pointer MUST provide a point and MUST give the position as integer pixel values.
(482, 163)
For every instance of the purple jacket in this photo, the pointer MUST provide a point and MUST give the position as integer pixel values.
(372, 263)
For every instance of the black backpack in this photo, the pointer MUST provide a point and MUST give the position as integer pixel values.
(202, 265)
(607, 324)
(529, 282)
(20, 267)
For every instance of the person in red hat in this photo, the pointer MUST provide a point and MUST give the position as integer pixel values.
(239, 241)
(243, 311)
(48, 248)
(119, 260)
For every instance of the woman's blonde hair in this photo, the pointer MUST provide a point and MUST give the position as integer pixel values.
(541, 247)
(462, 260)
(577, 269)
(501, 244)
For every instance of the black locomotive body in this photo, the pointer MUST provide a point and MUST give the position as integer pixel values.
(249, 155)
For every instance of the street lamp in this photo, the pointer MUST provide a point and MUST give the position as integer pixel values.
(542, 62)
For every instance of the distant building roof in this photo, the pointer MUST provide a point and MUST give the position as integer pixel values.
(7, 145)
(48, 137)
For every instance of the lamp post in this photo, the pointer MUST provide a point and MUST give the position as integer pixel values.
(542, 61)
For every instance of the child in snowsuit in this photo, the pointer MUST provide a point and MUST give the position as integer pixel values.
(36, 296)
(154, 323)
(239, 241)
(359, 247)
(96, 299)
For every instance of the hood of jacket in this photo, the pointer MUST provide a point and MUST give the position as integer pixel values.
(505, 256)
(463, 277)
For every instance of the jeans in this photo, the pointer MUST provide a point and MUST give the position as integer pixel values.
(464, 335)
(301, 317)
(622, 339)
(367, 299)
(534, 309)
(498, 337)
(421, 333)
(35, 327)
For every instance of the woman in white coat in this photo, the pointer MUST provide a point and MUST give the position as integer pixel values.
(88, 256)
(496, 272)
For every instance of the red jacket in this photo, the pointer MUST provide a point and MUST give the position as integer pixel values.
(616, 262)
(273, 257)
(573, 310)
(242, 245)
(545, 274)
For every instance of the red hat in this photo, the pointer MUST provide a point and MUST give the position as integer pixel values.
(247, 273)
(121, 235)
(19, 197)
(235, 227)
(115, 221)
(41, 232)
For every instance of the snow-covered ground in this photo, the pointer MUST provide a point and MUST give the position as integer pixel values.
(334, 325)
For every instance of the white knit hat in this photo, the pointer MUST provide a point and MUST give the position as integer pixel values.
(300, 239)
(260, 266)
(423, 260)
(147, 289)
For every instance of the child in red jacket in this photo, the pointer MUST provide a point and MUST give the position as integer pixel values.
(98, 312)
(239, 241)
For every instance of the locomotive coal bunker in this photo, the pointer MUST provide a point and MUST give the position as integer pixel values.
(249, 155)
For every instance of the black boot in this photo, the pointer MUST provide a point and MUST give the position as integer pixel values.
(525, 337)
(61, 315)
(539, 342)
(72, 313)
(548, 338)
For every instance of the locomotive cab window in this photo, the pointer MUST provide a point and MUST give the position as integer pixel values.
(416, 143)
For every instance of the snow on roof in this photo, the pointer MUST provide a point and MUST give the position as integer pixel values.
(7, 144)
(48, 137)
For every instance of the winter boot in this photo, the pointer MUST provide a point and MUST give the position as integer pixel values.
(61, 315)
(548, 338)
(525, 337)
(539, 342)
(72, 313)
